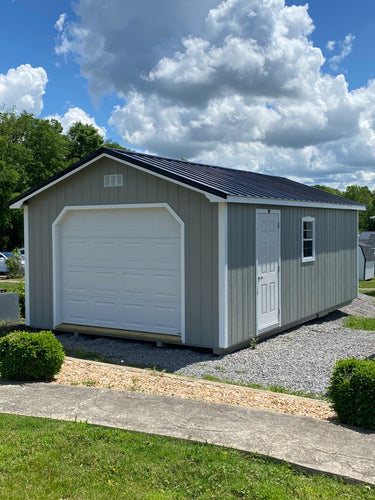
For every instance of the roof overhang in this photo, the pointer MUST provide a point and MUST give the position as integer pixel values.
(212, 194)
(291, 203)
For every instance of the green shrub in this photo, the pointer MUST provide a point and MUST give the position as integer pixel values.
(21, 297)
(30, 356)
(352, 392)
(14, 264)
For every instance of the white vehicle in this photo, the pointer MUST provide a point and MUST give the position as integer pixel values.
(4, 256)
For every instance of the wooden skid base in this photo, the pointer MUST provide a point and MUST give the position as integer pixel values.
(114, 332)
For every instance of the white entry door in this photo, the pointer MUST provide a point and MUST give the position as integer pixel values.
(120, 268)
(268, 269)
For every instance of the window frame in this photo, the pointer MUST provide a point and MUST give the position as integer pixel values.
(310, 258)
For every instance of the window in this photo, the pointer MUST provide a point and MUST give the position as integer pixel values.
(308, 239)
(113, 180)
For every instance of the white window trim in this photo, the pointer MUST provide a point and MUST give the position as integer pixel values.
(311, 258)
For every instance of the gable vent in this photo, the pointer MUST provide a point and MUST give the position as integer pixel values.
(115, 180)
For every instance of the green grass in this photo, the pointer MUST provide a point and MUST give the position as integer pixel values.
(371, 293)
(367, 284)
(10, 286)
(273, 388)
(359, 323)
(46, 459)
(85, 354)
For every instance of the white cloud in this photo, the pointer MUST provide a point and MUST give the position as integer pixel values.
(59, 25)
(231, 82)
(346, 48)
(74, 115)
(23, 88)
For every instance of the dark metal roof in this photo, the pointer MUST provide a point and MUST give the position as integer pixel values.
(219, 181)
(368, 251)
(368, 237)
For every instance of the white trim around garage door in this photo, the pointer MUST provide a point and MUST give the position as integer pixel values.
(56, 252)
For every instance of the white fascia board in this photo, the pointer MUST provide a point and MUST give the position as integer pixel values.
(20, 203)
(290, 203)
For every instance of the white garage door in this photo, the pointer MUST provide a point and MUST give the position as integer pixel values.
(121, 268)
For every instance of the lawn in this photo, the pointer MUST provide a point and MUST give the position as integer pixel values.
(367, 284)
(10, 286)
(359, 323)
(47, 459)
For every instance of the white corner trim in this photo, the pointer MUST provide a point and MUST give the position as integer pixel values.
(27, 264)
(56, 252)
(223, 274)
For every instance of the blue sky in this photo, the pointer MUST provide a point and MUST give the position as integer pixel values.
(273, 86)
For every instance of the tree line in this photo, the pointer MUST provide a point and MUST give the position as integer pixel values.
(31, 150)
(361, 194)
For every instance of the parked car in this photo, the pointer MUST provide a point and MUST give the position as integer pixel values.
(4, 256)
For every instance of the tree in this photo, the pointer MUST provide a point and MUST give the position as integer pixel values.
(31, 150)
(114, 145)
(83, 140)
(362, 194)
(329, 189)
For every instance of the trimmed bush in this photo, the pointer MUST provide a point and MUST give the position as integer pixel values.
(352, 392)
(14, 264)
(30, 356)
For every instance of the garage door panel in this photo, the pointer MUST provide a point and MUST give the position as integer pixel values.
(122, 269)
(104, 313)
(74, 251)
(166, 254)
(166, 318)
(74, 281)
(133, 253)
(133, 285)
(165, 286)
(76, 309)
(103, 251)
(104, 283)
(134, 314)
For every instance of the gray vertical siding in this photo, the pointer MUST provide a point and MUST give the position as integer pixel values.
(241, 272)
(331, 280)
(86, 188)
(306, 288)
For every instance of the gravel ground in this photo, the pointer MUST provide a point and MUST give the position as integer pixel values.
(300, 359)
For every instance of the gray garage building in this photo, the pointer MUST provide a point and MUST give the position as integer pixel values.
(138, 246)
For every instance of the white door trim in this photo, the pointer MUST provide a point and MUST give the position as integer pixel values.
(56, 252)
(278, 323)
